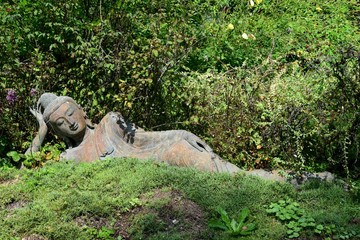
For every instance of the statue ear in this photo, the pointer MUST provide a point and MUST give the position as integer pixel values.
(88, 121)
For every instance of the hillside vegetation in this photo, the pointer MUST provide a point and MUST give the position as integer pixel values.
(267, 83)
(128, 199)
(270, 84)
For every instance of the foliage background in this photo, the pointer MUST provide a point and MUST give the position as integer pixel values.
(268, 84)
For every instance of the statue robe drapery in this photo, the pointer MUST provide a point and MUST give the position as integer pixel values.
(113, 137)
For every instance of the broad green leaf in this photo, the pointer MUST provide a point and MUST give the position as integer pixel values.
(224, 217)
(14, 155)
(289, 231)
(243, 215)
(217, 223)
(234, 225)
(294, 235)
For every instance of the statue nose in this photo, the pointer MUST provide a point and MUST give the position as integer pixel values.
(70, 121)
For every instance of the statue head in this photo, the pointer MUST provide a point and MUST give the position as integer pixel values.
(65, 116)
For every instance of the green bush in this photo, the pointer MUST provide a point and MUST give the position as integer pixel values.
(277, 115)
(264, 83)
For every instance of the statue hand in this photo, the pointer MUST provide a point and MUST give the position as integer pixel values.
(38, 115)
(38, 140)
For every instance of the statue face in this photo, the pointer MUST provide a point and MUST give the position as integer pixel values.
(69, 120)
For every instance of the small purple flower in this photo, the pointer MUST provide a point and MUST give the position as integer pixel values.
(11, 96)
(33, 92)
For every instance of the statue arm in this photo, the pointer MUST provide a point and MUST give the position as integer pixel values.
(39, 138)
(196, 142)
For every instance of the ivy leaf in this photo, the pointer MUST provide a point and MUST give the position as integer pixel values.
(15, 156)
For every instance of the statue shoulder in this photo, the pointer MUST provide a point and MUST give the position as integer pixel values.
(115, 125)
(118, 119)
(111, 118)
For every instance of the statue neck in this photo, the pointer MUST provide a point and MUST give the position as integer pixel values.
(77, 140)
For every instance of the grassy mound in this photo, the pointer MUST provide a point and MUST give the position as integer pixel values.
(128, 199)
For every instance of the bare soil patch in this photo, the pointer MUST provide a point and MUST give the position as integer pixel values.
(16, 205)
(355, 221)
(8, 182)
(92, 221)
(34, 237)
(170, 208)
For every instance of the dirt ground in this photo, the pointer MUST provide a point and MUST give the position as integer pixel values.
(169, 210)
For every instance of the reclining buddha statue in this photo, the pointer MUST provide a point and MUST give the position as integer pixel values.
(115, 137)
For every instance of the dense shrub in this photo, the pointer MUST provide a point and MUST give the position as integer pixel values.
(278, 115)
(264, 83)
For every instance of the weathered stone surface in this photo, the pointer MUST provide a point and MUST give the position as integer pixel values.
(291, 177)
(115, 137)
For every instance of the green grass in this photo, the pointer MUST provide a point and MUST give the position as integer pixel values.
(145, 200)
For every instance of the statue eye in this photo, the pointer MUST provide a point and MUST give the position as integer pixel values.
(71, 113)
(60, 122)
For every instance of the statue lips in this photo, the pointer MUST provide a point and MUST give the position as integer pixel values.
(74, 126)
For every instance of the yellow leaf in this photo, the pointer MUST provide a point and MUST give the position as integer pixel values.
(155, 52)
(230, 26)
(129, 104)
(245, 36)
(48, 156)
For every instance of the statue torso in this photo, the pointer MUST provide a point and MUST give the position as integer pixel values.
(113, 137)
